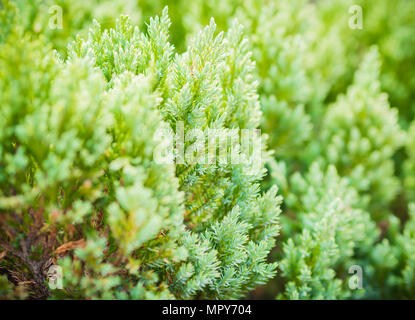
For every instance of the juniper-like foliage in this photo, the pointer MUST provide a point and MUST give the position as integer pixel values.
(326, 232)
(82, 188)
(360, 133)
(105, 169)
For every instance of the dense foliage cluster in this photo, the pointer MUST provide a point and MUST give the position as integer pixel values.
(93, 93)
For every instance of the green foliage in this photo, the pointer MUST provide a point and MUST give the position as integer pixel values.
(409, 165)
(198, 91)
(391, 267)
(80, 128)
(43, 17)
(326, 236)
(392, 33)
(360, 134)
(78, 167)
(74, 158)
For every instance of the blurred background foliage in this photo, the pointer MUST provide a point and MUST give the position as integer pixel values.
(333, 49)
